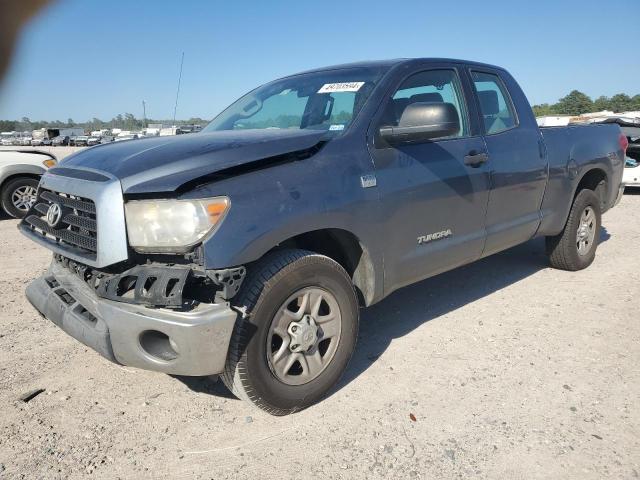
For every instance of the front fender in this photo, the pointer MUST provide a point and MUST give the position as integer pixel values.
(8, 171)
(266, 211)
(275, 204)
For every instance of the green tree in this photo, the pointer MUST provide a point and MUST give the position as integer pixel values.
(129, 121)
(8, 125)
(342, 117)
(620, 102)
(574, 104)
(543, 110)
(191, 121)
(96, 123)
(24, 124)
(601, 103)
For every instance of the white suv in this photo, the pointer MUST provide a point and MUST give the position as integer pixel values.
(20, 173)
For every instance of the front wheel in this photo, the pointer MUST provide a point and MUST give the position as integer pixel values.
(18, 195)
(575, 247)
(296, 332)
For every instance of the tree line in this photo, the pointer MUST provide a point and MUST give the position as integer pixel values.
(576, 103)
(126, 121)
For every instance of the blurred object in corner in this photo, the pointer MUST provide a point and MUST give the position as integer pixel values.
(15, 13)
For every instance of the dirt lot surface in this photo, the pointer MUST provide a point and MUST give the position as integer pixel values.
(510, 369)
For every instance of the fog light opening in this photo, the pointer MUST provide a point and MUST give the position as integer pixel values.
(158, 345)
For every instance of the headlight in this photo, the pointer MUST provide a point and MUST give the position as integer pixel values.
(159, 226)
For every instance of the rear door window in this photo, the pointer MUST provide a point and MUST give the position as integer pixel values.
(496, 108)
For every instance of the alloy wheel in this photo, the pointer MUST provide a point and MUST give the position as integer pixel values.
(304, 336)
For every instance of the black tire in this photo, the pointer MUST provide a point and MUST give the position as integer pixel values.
(7, 192)
(563, 248)
(270, 283)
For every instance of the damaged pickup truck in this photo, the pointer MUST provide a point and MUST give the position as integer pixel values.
(246, 250)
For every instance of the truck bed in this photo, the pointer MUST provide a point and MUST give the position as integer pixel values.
(571, 151)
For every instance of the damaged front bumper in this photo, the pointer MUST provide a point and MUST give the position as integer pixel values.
(193, 342)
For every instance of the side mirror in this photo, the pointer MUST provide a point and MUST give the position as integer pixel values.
(422, 121)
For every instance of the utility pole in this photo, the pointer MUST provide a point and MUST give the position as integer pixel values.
(175, 108)
(144, 113)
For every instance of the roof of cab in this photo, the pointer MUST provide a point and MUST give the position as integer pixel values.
(398, 61)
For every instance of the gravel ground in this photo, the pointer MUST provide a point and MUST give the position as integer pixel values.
(501, 369)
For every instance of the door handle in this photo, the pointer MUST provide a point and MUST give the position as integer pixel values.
(475, 159)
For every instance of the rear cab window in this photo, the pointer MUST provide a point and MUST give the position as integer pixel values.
(496, 107)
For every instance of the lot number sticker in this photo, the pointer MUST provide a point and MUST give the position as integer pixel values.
(341, 87)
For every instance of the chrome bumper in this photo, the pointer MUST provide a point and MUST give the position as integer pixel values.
(169, 341)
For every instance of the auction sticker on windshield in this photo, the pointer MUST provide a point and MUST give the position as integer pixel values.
(341, 87)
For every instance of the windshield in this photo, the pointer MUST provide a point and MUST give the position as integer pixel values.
(328, 100)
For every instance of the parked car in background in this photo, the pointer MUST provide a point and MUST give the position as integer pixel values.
(130, 136)
(45, 136)
(39, 142)
(25, 141)
(169, 131)
(81, 141)
(93, 140)
(60, 141)
(20, 172)
(631, 176)
(107, 139)
(8, 136)
(7, 141)
(630, 127)
(191, 128)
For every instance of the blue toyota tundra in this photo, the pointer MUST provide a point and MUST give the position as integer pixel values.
(247, 249)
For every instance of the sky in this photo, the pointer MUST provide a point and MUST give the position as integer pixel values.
(81, 59)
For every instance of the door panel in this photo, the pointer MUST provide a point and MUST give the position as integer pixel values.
(518, 180)
(426, 189)
(432, 203)
(518, 166)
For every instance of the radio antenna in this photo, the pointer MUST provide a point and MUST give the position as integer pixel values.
(175, 108)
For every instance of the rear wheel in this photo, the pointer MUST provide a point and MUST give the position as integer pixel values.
(575, 247)
(18, 195)
(296, 332)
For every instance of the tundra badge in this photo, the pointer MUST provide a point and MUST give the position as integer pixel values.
(368, 180)
(434, 236)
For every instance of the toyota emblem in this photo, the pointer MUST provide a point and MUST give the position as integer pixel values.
(54, 214)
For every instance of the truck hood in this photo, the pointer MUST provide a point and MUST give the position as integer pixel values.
(164, 164)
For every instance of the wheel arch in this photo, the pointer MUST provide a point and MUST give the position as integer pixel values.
(346, 249)
(14, 176)
(11, 172)
(593, 179)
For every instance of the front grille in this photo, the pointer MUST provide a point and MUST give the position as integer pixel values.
(76, 228)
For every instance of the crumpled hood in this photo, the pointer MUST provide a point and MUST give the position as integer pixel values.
(162, 164)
